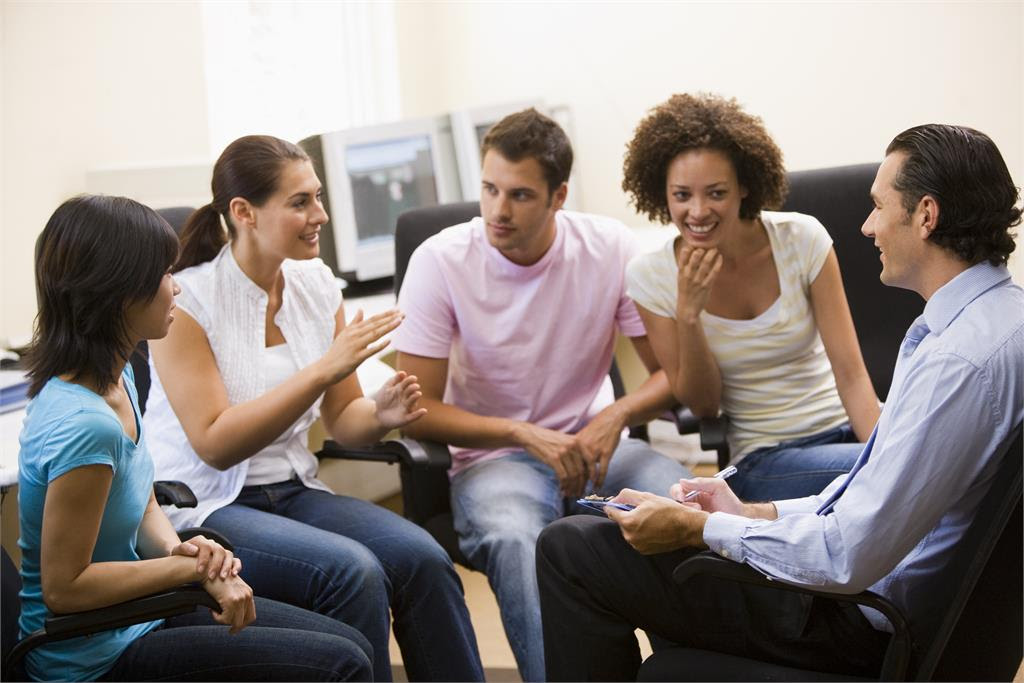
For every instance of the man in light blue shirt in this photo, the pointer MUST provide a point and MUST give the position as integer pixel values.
(944, 204)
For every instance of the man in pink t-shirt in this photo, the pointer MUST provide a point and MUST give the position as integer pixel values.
(510, 329)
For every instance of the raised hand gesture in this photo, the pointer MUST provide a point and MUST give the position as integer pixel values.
(396, 401)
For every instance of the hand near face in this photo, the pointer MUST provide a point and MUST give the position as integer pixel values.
(698, 269)
(396, 401)
(658, 524)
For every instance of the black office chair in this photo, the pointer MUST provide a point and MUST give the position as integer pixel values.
(972, 630)
(57, 627)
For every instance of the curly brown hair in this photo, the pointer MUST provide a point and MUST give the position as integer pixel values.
(702, 121)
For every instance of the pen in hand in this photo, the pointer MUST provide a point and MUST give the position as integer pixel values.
(724, 474)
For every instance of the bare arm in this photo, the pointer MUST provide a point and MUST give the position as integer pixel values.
(453, 425)
(447, 423)
(690, 368)
(832, 316)
(71, 582)
(224, 435)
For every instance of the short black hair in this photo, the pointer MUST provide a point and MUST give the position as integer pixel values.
(95, 257)
(530, 134)
(962, 169)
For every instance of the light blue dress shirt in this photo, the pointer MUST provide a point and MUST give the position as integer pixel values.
(957, 392)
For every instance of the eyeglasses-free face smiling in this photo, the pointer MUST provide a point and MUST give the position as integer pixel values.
(704, 195)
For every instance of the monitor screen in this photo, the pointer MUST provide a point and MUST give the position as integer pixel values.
(388, 177)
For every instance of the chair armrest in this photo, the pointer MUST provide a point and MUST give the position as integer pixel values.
(422, 454)
(686, 421)
(713, 432)
(382, 451)
(149, 608)
(176, 493)
(897, 656)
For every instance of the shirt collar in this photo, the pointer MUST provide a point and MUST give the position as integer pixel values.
(953, 297)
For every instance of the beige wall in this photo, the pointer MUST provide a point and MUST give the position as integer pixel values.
(832, 81)
(87, 85)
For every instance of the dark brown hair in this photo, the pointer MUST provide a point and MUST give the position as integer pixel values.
(250, 167)
(95, 257)
(962, 169)
(530, 134)
(702, 121)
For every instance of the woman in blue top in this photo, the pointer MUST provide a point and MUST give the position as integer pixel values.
(92, 534)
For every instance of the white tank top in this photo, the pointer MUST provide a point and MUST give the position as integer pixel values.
(274, 463)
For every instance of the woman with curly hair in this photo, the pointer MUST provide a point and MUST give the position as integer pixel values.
(745, 308)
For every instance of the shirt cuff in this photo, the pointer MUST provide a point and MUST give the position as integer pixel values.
(724, 532)
(796, 505)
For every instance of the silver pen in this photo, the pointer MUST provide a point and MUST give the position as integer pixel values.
(724, 474)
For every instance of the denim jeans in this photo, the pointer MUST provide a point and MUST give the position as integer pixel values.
(797, 468)
(285, 643)
(500, 507)
(350, 560)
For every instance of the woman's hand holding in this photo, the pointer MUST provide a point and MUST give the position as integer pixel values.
(237, 608)
(396, 401)
(212, 559)
(698, 269)
(357, 341)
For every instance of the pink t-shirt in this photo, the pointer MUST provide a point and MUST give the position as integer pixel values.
(531, 343)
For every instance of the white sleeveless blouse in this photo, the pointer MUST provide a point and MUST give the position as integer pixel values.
(232, 310)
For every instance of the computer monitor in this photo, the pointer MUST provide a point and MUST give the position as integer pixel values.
(469, 126)
(372, 174)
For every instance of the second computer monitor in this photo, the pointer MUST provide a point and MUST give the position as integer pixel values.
(373, 174)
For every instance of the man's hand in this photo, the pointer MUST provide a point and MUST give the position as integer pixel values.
(212, 559)
(657, 524)
(714, 495)
(562, 452)
(599, 439)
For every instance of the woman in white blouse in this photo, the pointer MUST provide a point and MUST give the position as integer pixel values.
(745, 308)
(261, 349)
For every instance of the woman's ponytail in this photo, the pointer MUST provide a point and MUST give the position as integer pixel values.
(202, 238)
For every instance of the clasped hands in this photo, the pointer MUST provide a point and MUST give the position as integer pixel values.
(580, 457)
(219, 570)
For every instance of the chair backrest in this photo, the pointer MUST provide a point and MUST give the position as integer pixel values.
(176, 216)
(839, 198)
(974, 629)
(10, 608)
(415, 226)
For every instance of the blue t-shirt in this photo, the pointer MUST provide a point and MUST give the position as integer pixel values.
(68, 426)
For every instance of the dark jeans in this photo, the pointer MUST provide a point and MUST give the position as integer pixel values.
(285, 643)
(796, 468)
(595, 590)
(350, 560)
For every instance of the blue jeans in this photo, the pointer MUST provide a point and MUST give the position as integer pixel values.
(796, 468)
(285, 643)
(501, 506)
(350, 560)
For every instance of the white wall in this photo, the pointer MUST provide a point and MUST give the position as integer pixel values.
(834, 82)
(87, 85)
